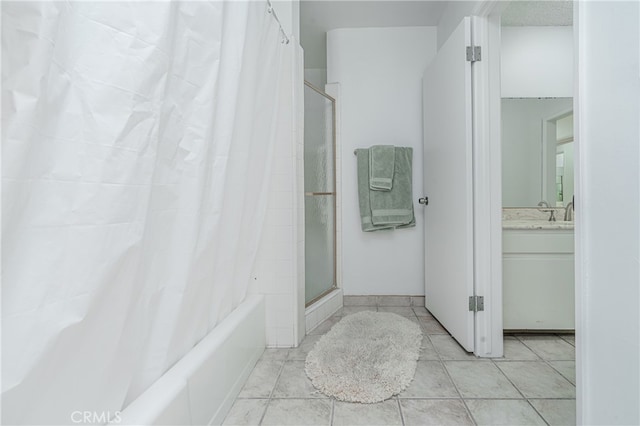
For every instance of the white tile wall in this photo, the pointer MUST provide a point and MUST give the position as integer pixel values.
(279, 270)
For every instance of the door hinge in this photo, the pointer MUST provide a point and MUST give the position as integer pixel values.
(474, 53)
(476, 303)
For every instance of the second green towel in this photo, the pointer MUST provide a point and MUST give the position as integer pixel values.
(387, 209)
(381, 167)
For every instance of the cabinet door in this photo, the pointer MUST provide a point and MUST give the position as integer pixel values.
(538, 284)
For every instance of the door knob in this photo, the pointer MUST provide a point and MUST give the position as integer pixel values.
(423, 200)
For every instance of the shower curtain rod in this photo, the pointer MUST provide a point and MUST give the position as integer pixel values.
(272, 11)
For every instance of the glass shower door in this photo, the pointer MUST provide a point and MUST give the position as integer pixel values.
(319, 187)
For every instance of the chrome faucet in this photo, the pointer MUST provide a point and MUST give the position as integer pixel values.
(568, 211)
(552, 217)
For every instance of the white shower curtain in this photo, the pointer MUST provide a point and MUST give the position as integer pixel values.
(136, 153)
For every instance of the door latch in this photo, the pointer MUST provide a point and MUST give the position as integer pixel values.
(423, 200)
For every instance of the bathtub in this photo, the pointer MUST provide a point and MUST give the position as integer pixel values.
(201, 387)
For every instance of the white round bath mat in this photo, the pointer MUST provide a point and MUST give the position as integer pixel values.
(366, 357)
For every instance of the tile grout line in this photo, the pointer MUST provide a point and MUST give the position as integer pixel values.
(435, 349)
(442, 363)
(539, 414)
(548, 361)
(400, 410)
(571, 343)
(508, 379)
(521, 393)
(424, 334)
(464, 400)
(455, 386)
(503, 398)
(540, 356)
(333, 410)
(270, 398)
(305, 398)
(264, 411)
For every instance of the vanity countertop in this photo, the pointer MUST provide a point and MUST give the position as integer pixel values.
(536, 224)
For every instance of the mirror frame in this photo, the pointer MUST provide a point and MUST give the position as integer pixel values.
(549, 147)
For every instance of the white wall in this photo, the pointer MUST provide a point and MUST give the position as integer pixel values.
(569, 171)
(607, 212)
(380, 75)
(316, 76)
(453, 14)
(537, 62)
(564, 129)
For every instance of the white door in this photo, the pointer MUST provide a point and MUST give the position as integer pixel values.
(448, 185)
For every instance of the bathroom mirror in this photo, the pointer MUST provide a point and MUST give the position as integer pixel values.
(537, 151)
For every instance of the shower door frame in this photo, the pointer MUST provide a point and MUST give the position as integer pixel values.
(333, 193)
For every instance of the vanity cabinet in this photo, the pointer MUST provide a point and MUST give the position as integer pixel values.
(538, 279)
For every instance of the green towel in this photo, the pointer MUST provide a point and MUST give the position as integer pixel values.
(386, 209)
(381, 166)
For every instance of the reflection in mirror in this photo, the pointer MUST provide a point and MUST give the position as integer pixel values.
(534, 132)
(564, 160)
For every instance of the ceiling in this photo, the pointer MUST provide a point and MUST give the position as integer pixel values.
(538, 13)
(319, 16)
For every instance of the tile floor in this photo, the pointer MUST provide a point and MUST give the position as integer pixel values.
(534, 384)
